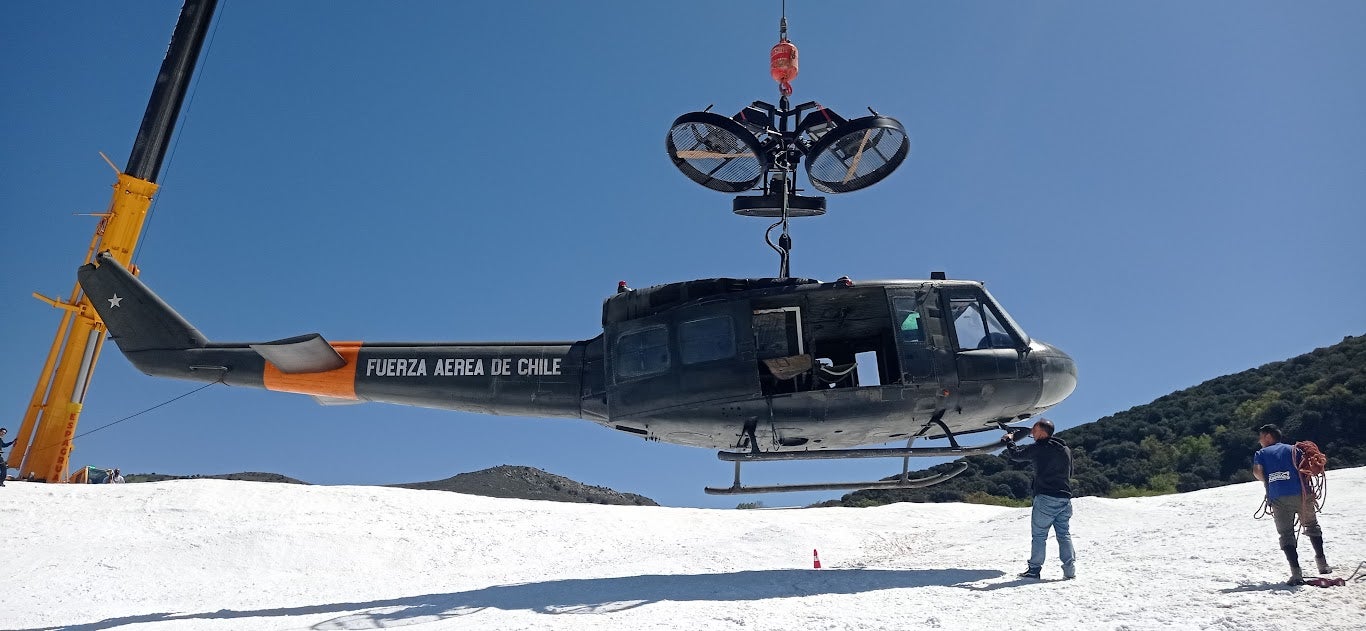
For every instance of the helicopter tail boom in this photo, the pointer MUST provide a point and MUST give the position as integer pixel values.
(517, 378)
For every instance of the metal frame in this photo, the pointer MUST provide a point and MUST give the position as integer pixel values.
(43, 444)
(904, 481)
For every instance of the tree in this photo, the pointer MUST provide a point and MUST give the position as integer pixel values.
(1200, 437)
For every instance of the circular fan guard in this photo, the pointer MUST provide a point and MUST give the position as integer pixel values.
(716, 152)
(857, 154)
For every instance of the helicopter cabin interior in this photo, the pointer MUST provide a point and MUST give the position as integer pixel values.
(689, 342)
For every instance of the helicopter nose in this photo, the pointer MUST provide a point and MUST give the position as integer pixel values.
(1059, 375)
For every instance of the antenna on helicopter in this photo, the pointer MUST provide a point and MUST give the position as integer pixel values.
(759, 149)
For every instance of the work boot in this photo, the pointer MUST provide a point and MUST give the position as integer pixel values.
(1293, 556)
(1319, 557)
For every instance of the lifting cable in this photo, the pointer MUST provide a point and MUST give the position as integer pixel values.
(132, 416)
(184, 122)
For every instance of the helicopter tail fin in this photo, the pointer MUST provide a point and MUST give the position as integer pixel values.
(135, 317)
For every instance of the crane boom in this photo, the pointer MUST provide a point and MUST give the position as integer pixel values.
(43, 445)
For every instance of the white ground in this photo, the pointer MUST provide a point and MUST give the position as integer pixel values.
(210, 554)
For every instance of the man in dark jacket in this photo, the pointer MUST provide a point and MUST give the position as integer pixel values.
(4, 464)
(1052, 496)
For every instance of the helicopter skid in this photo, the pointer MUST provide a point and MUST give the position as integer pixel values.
(899, 483)
(904, 481)
(842, 454)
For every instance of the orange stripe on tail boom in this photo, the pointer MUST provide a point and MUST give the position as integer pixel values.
(339, 383)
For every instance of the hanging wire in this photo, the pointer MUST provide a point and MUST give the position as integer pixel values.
(130, 416)
(180, 127)
(784, 240)
(782, 24)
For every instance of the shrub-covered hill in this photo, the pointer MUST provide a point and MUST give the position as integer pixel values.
(502, 481)
(249, 476)
(1196, 438)
(530, 483)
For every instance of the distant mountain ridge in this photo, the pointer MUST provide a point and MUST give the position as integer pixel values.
(531, 484)
(517, 482)
(1200, 437)
(248, 476)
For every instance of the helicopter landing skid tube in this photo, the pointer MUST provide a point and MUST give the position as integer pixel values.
(901, 482)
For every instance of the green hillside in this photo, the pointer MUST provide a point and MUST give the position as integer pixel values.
(1196, 438)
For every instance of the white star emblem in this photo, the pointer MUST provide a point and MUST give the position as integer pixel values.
(114, 302)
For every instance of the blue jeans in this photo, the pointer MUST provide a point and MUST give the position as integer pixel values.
(1052, 512)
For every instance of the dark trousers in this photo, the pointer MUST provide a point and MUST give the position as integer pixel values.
(1285, 508)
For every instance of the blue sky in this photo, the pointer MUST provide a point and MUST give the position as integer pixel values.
(1169, 191)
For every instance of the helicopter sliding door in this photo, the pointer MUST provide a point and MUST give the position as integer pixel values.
(780, 349)
(919, 333)
(683, 357)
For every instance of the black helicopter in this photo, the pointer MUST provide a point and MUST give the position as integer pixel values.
(762, 369)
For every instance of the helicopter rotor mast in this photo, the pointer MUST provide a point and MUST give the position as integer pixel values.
(760, 147)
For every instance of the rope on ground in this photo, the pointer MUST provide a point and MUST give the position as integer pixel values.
(1359, 575)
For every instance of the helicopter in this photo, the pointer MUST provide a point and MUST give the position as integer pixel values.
(761, 369)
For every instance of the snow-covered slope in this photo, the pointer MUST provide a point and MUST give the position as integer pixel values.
(213, 554)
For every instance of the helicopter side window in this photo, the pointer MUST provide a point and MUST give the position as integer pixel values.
(642, 352)
(977, 326)
(707, 339)
(909, 326)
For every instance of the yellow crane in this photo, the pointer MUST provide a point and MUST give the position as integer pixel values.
(42, 448)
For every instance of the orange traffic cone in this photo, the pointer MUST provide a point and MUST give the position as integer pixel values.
(815, 560)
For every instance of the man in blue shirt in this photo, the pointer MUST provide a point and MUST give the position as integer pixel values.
(1277, 465)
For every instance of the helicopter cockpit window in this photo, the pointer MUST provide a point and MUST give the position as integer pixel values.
(642, 352)
(707, 339)
(977, 325)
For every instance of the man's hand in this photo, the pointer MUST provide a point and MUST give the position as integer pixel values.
(1013, 434)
